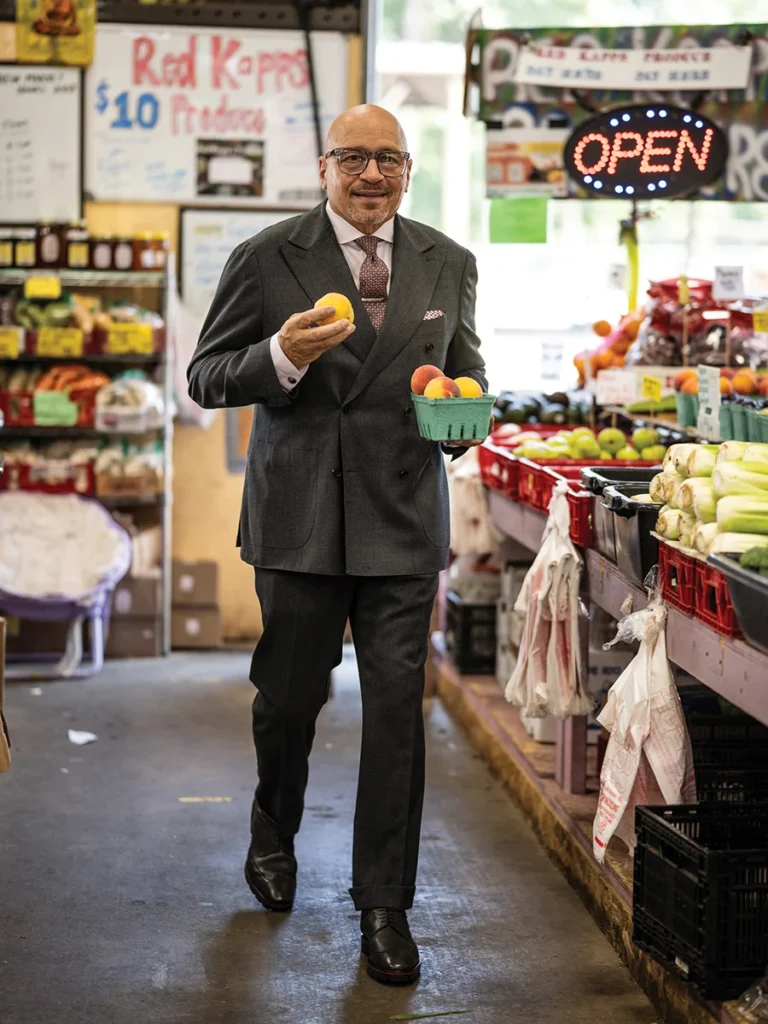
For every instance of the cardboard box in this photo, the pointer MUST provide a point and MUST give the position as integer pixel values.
(135, 597)
(194, 584)
(27, 636)
(133, 637)
(195, 628)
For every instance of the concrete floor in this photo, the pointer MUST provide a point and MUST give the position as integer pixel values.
(120, 904)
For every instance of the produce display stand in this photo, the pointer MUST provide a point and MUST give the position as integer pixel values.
(158, 288)
(556, 784)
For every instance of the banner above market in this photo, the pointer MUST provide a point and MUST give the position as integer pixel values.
(536, 87)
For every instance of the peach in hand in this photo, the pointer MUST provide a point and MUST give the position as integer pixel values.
(468, 387)
(341, 305)
(442, 387)
(422, 377)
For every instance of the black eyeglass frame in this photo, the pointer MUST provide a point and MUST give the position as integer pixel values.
(371, 156)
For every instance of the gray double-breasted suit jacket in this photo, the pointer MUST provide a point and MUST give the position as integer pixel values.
(338, 479)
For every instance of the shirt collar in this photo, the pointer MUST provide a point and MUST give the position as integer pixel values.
(346, 232)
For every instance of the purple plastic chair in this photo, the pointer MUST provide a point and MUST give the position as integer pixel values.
(93, 606)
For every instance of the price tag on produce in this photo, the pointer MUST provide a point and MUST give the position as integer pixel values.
(760, 321)
(729, 284)
(616, 387)
(708, 424)
(134, 339)
(37, 287)
(60, 342)
(651, 388)
(10, 342)
(552, 358)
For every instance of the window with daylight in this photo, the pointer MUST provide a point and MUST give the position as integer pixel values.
(536, 297)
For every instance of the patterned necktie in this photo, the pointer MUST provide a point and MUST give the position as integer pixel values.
(373, 281)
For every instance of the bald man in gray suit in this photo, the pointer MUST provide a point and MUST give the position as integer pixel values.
(345, 505)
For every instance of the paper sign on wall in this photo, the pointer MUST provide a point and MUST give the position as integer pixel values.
(592, 68)
(729, 284)
(616, 387)
(708, 424)
(178, 114)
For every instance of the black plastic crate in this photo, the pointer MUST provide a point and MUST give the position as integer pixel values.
(470, 635)
(701, 893)
(712, 732)
(731, 784)
(749, 596)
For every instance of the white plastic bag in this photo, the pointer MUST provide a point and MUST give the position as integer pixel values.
(471, 530)
(648, 759)
(549, 677)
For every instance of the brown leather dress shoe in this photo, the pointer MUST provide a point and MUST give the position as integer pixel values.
(393, 957)
(270, 867)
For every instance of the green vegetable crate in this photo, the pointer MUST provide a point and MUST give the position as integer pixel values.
(453, 419)
(738, 423)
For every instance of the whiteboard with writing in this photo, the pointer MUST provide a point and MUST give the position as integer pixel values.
(206, 238)
(40, 173)
(207, 115)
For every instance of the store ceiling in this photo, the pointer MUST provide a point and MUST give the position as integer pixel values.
(324, 15)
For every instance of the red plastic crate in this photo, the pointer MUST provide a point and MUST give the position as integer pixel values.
(713, 600)
(678, 578)
(582, 532)
(80, 479)
(499, 469)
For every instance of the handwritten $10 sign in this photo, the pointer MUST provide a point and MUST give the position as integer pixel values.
(181, 114)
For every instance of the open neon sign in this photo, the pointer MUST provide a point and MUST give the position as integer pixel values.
(646, 151)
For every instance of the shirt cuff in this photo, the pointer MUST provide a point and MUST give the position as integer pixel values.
(286, 372)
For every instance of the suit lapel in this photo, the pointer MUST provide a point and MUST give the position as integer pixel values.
(417, 262)
(316, 260)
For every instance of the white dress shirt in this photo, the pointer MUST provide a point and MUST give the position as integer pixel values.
(346, 235)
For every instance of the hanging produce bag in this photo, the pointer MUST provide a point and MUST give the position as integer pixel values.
(648, 760)
(549, 675)
(472, 532)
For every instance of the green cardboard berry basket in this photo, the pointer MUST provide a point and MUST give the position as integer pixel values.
(454, 419)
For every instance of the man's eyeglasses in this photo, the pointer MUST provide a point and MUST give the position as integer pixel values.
(391, 163)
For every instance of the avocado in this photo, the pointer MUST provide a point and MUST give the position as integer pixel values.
(573, 416)
(557, 398)
(554, 414)
(513, 414)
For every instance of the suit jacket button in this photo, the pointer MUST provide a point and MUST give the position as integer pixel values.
(403, 472)
(429, 347)
(336, 472)
(408, 411)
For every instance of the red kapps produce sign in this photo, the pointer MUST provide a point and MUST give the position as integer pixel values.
(176, 115)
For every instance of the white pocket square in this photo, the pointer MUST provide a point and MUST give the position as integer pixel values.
(434, 314)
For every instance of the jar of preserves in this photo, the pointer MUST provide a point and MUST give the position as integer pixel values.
(6, 246)
(102, 252)
(78, 251)
(123, 253)
(24, 246)
(160, 249)
(143, 255)
(50, 245)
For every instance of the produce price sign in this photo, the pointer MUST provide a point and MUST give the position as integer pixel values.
(616, 387)
(10, 342)
(646, 151)
(123, 339)
(651, 388)
(708, 424)
(57, 342)
(182, 115)
(38, 287)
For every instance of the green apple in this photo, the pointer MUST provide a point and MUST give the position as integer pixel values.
(655, 453)
(611, 440)
(645, 437)
(627, 454)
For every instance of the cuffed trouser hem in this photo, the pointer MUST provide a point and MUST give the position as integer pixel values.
(394, 897)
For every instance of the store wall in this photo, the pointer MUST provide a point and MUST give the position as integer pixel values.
(206, 498)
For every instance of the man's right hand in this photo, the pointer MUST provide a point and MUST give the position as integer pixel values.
(303, 344)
